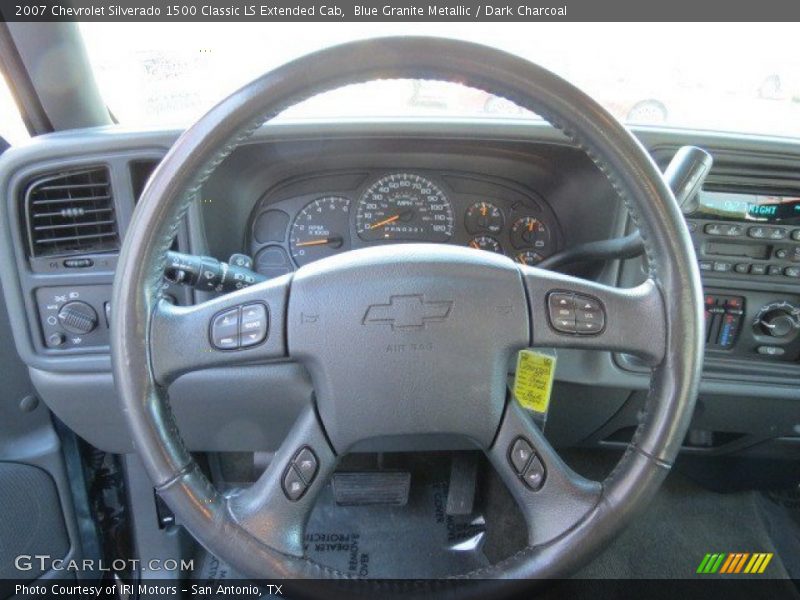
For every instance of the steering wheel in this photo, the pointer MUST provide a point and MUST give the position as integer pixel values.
(460, 315)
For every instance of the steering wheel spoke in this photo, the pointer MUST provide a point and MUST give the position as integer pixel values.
(275, 508)
(550, 495)
(242, 327)
(570, 312)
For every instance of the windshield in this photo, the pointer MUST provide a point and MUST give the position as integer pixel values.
(729, 77)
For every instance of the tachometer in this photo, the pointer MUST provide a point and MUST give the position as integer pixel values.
(321, 229)
(404, 206)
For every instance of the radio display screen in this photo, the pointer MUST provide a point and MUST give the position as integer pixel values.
(748, 207)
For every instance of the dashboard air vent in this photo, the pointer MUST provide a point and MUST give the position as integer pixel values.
(71, 212)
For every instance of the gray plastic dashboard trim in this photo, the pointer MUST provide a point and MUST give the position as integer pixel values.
(109, 144)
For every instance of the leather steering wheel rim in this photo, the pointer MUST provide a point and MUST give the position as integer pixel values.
(674, 295)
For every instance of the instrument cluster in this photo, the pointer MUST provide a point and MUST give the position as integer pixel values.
(398, 207)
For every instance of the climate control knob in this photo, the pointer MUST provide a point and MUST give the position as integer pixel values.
(780, 320)
(77, 317)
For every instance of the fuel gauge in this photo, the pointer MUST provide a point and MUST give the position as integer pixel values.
(530, 232)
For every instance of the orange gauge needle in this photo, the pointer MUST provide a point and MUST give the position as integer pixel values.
(484, 210)
(474, 244)
(384, 222)
(320, 242)
(522, 259)
(531, 223)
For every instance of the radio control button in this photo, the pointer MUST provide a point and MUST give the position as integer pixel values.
(705, 265)
(722, 267)
(796, 235)
(771, 350)
(742, 268)
(777, 233)
(792, 272)
(774, 270)
(758, 269)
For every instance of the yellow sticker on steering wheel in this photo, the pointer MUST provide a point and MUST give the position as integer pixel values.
(533, 381)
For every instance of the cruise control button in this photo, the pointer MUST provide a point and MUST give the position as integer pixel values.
(534, 474)
(225, 330)
(521, 453)
(254, 324)
(293, 484)
(306, 464)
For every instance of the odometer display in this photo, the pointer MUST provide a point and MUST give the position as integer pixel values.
(404, 207)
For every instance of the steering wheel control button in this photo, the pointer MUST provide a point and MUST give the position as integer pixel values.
(561, 309)
(526, 464)
(300, 473)
(293, 485)
(520, 455)
(225, 330)
(306, 464)
(534, 474)
(254, 325)
(576, 313)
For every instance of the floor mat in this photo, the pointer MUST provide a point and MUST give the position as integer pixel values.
(683, 524)
(669, 539)
(396, 541)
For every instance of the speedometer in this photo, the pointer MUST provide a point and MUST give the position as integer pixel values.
(404, 206)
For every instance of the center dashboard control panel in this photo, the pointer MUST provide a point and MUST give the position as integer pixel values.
(724, 316)
(752, 235)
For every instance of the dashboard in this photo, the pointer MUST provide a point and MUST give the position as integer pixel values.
(321, 215)
(297, 192)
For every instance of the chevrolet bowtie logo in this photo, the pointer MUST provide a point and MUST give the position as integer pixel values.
(408, 312)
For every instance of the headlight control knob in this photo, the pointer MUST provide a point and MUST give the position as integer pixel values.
(77, 317)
